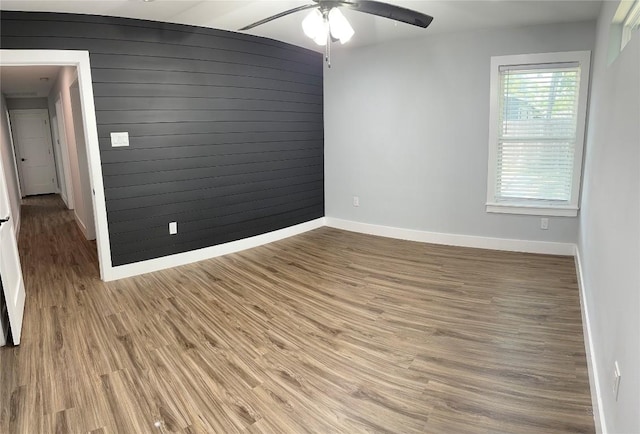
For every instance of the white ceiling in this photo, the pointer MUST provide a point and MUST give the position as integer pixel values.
(27, 81)
(449, 16)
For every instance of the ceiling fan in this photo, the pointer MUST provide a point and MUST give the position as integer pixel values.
(326, 23)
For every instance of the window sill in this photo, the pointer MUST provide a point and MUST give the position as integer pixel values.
(559, 211)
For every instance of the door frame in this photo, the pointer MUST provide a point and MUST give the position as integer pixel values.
(80, 60)
(64, 150)
(85, 220)
(13, 114)
(55, 141)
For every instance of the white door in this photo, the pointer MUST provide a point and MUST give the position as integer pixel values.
(58, 154)
(36, 165)
(10, 271)
(64, 154)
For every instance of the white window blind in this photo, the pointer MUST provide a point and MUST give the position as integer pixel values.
(537, 121)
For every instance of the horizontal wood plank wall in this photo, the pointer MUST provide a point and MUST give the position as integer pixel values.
(226, 129)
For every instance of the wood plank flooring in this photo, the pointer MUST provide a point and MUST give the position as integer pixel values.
(326, 332)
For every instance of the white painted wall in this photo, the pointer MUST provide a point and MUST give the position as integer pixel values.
(80, 204)
(9, 165)
(609, 234)
(406, 130)
(65, 165)
(55, 138)
(85, 206)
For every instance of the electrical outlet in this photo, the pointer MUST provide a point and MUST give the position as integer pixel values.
(356, 201)
(544, 223)
(616, 379)
(173, 228)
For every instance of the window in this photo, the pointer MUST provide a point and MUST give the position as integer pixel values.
(630, 23)
(537, 114)
(625, 22)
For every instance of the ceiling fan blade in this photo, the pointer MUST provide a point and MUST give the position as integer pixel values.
(280, 15)
(386, 10)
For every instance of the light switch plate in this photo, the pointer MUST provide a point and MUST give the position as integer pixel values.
(173, 228)
(119, 139)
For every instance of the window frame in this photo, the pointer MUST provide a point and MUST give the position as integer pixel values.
(630, 23)
(529, 206)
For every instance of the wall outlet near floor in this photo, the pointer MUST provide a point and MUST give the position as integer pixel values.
(173, 228)
(544, 223)
(356, 201)
(616, 379)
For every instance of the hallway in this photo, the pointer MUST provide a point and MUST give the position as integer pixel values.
(53, 249)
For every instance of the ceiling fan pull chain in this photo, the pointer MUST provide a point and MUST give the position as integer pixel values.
(328, 50)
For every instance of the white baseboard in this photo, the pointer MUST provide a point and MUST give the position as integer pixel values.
(81, 225)
(137, 268)
(544, 247)
(16, 227)
(65, 200)
(4, 326)
(594, 383)
(148, 266)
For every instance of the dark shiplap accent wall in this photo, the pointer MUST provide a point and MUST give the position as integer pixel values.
(226, 129)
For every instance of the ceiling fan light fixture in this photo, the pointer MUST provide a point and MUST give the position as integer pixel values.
(313, 24)
(323, 33)
(340, 27)
(326, 23)
(321, 39)
(317, 26)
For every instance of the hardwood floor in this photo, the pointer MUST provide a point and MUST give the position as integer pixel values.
(326, 332)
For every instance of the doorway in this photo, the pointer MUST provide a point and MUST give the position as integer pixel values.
(96, 203)
(93, 189)
(34, 151)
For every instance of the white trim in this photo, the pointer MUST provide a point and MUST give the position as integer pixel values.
(64, 150)
(79, 59)
(558, 211)
(16, 227)
(81, 225)
(594, 383)
(16, 153)
(4, 330)
(13, 149)
(544, 247)
(137, 268)
(17, 217)
(55, 142)
(630, 24)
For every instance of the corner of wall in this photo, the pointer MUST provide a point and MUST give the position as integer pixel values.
(608, 250)
(592, 368)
